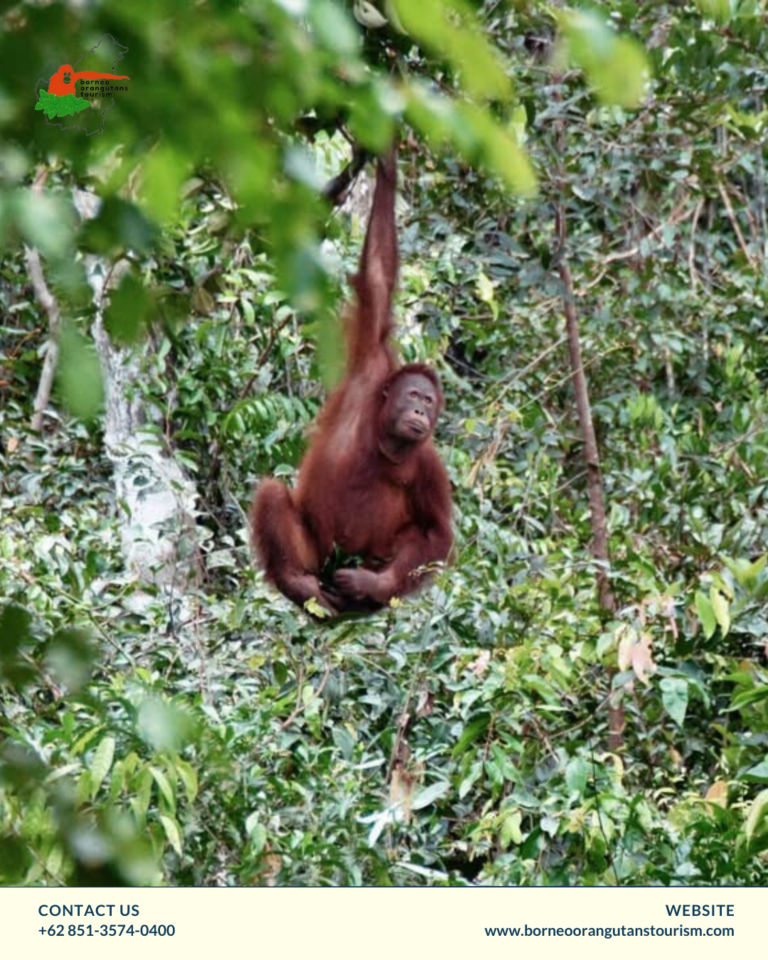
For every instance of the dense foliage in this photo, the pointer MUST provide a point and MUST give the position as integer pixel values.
(464, 735)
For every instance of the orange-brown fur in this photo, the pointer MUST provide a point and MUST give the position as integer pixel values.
(395, 513)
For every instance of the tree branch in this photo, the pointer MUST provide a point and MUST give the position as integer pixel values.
(49, 303)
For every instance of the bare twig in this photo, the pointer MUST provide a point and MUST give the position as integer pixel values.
(263, 356)
(520, 374)
(678, 215)
(300, 705)
(735, 223)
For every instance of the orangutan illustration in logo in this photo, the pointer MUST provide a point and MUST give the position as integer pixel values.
(65, 78)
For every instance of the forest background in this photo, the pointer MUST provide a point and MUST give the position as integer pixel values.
(581, 696)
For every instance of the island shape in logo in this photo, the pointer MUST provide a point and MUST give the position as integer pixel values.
(62, 98)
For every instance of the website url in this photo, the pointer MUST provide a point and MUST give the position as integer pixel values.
(608, 932)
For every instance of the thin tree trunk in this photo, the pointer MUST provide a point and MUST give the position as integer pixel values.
(595, 491)
(597, 510)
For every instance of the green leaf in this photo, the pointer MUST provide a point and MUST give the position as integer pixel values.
(484, 288)
(720, 608)
(55, 860)
(577, 775)
(757, 773)
(143, 796)
(474, 774)
(474, 729)
(256, 831)
(747, 697)
(128, 310)
(449, 29)
(706, 614)
(188, 776)
(616, 67)
(331, 357)
(163, 173)
(172, 832)
(164, 726)
(334, 28)
(69, 657)
(496, 148)
(15, 635)
(473, 132)
(371, 122)
(504, 765)
(79, 374)
(165, 788)
(510, 829)
(746, 573)
(430, 794)
(46, 222)
(86, 738)
(717, 10)
(101, 763)
(756, 816)
(674, 696)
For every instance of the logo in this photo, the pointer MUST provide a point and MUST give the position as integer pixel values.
(85, 91)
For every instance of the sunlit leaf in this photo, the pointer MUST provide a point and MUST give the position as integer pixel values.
(510, 829)
(449, 28)
(167, 792)
(188, 776)
(101, 763)
(756, 818)
(721, 610)
(474, 134)
(616, 66)
(172, 832)
(706, 614)
(717, 10)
